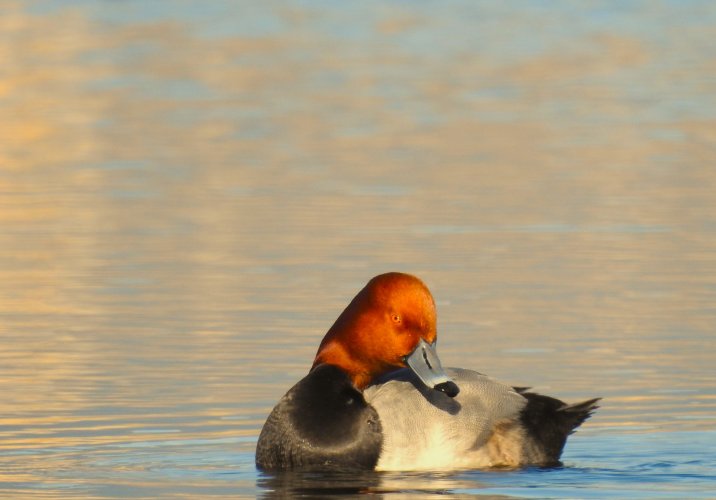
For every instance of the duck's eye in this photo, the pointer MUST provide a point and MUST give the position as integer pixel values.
(396, 318)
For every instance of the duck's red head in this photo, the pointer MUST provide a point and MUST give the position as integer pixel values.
(390, 324)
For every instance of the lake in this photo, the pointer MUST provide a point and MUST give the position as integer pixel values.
(191, 192)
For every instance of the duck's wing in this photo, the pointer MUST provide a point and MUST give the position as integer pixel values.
(487, 424)
(426, 429)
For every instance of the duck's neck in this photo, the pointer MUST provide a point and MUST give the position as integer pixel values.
(333, 352)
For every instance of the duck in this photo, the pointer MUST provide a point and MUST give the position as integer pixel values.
(377, 398)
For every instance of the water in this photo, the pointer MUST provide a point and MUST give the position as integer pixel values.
(190, 193)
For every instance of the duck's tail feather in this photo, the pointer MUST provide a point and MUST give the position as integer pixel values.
(581, 411)
(548, 421)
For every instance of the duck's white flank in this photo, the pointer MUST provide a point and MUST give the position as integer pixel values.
(424, 429)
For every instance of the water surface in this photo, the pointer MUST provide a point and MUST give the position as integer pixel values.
(190, 193)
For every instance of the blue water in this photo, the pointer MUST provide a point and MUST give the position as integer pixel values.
(649, 465)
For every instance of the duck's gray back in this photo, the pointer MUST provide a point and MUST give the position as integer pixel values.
(478, 428)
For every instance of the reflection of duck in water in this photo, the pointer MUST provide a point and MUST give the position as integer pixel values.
(378, 398)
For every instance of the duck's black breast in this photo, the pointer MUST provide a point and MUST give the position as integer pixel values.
(321, 422)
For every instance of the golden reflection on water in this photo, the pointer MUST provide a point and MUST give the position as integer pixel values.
(182, 216)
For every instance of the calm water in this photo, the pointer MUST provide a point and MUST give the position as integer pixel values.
(190, 193)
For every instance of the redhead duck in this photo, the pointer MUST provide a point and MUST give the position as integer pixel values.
(377, 397)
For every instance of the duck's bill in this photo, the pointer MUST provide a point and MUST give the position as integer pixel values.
(424, 362)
